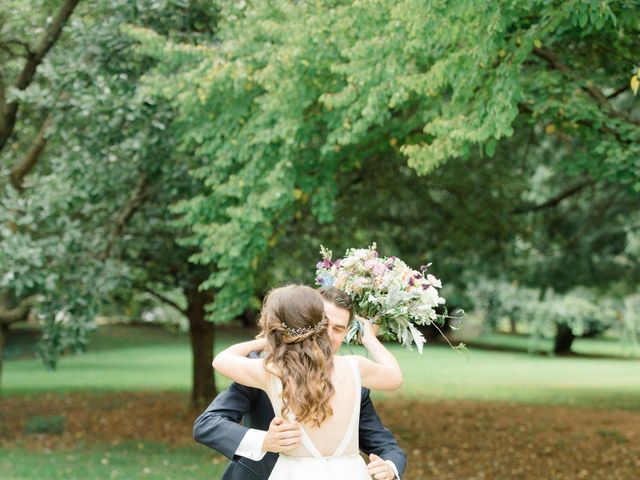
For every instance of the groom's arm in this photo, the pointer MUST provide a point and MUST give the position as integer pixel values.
(376, 439)
(218, 427)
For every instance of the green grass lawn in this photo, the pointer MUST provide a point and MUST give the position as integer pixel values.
(127, 461)
(145, 358)
(585, 347)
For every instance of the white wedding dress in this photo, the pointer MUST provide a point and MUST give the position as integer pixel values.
(331, 450)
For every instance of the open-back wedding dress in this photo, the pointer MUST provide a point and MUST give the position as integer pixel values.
(331, 450)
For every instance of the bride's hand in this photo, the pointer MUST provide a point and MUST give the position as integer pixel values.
(370, 329)
(259, 344)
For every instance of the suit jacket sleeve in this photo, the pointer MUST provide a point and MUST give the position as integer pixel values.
(374, 438)
(218, 427)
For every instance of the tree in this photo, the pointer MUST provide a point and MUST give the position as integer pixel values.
(296, 94)
(20, 58)
(284, 119)
(486, 227)
(100, 225)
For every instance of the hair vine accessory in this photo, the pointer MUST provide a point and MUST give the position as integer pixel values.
(301, 331)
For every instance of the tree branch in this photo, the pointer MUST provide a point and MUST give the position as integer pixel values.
(17, 313)
(593, 218)
(3, 100)
(524, 108)
(8, 115)
(141, 194)
(555, 200)
(618, 91)
(27, 48)
(164, 299)
(552, 59)
(20, 170)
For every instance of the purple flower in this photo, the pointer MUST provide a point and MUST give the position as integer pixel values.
(324, 263)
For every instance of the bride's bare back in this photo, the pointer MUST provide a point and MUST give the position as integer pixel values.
(338, 434)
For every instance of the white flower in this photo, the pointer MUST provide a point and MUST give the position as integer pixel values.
(400, 296)
(430, 296)
(434, 281)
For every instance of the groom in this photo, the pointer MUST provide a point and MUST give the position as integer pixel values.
(253, 449)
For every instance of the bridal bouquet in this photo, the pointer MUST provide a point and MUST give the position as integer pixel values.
(385, 290)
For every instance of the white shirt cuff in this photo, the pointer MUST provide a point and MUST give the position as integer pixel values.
(251, 445)
(393, 467)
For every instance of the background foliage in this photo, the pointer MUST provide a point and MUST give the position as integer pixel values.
(201, 152)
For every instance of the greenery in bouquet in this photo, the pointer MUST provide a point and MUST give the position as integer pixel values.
(387, 291)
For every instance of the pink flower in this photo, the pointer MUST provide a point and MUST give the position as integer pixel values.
(379, 269)
(375, 266)
(370, 264)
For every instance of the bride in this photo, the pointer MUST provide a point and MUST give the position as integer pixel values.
(309, 385)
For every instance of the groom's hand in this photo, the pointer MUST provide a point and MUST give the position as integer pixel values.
(379, 469)
(281, 437)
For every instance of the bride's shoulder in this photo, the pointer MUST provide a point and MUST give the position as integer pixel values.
(272, 369)
(342, 358)
(349, 359)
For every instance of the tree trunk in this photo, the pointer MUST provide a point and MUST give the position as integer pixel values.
(4, 331)
(201, 331)
(564, 339)
(249, 318)
(9, 315)
(20, 170)
(512, 324)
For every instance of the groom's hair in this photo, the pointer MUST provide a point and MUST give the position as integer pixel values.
(338, 297)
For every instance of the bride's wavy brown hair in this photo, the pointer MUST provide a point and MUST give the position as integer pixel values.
(303, 361)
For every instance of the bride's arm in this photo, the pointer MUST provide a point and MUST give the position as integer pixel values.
(234, 364)
(384, 372)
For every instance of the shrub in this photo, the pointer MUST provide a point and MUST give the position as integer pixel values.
(53, 424)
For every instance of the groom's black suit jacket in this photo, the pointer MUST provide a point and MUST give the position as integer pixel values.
(219, 428)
